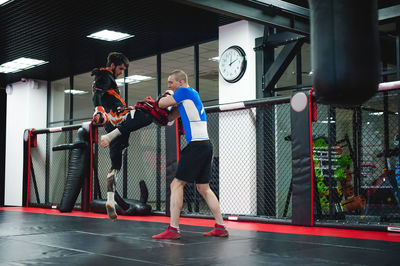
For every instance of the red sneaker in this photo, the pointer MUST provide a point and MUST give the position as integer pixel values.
(219, 231)
(170, 233)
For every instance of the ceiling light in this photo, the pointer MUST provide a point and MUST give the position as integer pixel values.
(20, 64)
(132, 79)
(78, 92)
(215, 59)
(4, 2)
(6, 69)
(376, 113)
(109, 35)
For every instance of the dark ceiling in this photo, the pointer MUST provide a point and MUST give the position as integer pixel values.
(56, 30)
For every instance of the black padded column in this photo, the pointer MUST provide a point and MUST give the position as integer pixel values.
(302, 171)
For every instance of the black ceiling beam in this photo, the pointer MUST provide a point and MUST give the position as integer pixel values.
(286, 6)
(256, 11)
(282, 38)
(275, 13)
(280, 64)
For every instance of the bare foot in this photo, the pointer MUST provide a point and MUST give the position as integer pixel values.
(104, 142)
(112, 213)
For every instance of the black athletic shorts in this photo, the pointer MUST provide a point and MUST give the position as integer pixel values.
(195, 162)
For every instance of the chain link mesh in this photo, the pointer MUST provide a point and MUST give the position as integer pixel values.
(380, 158)
(49, 169)
(251, 167)
(141, 163)
(355, 179)
(355, 163)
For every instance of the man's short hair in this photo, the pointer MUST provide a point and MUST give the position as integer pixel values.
(179, 75)
(117, 59)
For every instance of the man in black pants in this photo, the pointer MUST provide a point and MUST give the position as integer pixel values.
(195, 159)
(118, 118)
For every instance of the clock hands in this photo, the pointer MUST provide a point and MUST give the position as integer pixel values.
(233, 62)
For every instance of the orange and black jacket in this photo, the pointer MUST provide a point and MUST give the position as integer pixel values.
(107, 95)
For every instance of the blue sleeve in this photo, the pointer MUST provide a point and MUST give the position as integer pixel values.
(181, 94)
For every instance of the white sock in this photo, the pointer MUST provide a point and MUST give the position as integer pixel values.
(112, 135)
(176, 227)
(110, 197)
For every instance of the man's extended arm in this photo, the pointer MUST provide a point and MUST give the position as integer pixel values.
(174, 114)
(166, 101)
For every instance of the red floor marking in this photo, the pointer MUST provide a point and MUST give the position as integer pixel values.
(275, 228)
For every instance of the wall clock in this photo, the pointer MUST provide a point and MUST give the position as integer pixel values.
(232, 64)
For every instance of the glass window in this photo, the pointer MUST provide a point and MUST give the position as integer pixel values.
(82, 103)
(145, 70)
(208, 73)
(142, 154)
(289, 77)
(178, 59)
(208, 82)
(306, 74)
(59, 102)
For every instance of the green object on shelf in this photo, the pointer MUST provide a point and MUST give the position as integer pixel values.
(324, 204)
(320, 143)
(345, 161)
(339, 190)
(339, 174)
(318, 172)
(322, 189)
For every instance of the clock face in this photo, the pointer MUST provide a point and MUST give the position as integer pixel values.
(232, 64)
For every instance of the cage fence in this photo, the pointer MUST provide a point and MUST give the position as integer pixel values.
(144, 159)
(49, 169)
(251, 166)
(355, 158)
(355, 155)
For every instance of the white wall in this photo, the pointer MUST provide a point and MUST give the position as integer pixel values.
(242, 33)
(237, 133)
(26, 108)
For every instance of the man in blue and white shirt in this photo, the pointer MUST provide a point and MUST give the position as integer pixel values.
(195, 159)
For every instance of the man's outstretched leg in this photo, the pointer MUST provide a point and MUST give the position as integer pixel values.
(105, 140)
(135, 120)
(110, 204)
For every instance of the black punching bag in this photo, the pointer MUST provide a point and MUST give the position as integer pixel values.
(78, 169)
(344, 50)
